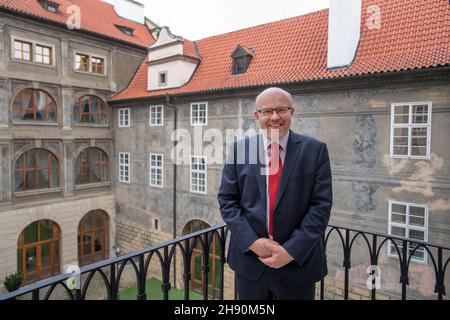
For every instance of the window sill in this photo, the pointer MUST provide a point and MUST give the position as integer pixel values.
(417, 261)
(51, 66)
(36, 192)
(199, 192)
(92, 125)
(104, 75)
(410, 157)
(92, 185)
(34, 123)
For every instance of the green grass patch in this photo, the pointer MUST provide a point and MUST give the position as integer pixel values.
(154, 292)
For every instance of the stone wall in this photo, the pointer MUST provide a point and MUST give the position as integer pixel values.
(66, 214)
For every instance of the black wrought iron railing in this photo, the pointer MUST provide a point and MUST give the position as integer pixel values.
(111, 270)
(405, 250)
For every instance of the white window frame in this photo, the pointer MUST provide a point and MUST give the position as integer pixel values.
(125, 167)
(156, 168)
(410, 126)
(407, 226)
(206, 114)
(91, 64)
(33, 51)
(90, 56)
(191, 171)
(35, 54)
(121, 118)
(153, 123)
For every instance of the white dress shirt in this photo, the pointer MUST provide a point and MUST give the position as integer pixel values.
(267, 142)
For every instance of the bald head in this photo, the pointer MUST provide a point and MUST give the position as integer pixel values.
(273, 92)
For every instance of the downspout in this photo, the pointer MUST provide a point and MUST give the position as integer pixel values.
(174, 205)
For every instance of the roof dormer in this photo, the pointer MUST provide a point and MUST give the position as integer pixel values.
(242, 56)
(125, 30)
(49, 5)
(172, 61)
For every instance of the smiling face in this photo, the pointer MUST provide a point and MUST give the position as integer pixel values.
(278, 122)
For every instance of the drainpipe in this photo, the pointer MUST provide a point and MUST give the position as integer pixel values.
(174, 206)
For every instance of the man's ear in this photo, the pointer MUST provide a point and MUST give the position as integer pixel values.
(292, 111)
(256, 115)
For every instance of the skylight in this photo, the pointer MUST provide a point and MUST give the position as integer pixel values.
(49, 6)
(125, 30)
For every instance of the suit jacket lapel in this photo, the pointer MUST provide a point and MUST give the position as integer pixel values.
(290, 160)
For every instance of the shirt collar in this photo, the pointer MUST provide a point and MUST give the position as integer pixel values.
(283, 141)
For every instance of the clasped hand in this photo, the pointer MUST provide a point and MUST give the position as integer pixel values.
(271, 253)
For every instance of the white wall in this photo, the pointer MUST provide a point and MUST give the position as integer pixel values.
(165, 37)
(165, 52)
(178, 73)
(343, 32)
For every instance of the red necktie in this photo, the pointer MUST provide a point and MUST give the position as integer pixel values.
(275, 168)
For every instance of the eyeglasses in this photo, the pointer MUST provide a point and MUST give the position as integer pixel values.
(280, 111)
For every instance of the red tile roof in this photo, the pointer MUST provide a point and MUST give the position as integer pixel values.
(189, 49)
(97, 17)
(412, 36)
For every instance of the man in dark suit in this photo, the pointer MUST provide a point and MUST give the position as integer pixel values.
(277, 207)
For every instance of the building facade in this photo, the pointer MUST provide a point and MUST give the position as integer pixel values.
(383, 112)
(57, 201)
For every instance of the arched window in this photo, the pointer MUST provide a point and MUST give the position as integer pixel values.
(38, 251)
(93, 237)
(36, 105)
(91, 166)
(90, 109)
(196, 262)
(36, 169)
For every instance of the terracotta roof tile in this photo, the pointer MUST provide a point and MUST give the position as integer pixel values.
(96, 16)
(189, 49)
(293, 50)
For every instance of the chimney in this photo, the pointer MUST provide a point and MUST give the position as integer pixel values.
(130, 9)
(344, 20)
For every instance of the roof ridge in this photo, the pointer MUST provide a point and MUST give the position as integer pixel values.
(265, 24)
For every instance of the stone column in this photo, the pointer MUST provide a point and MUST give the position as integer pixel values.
(4, 92)
(3, 49)
(111, 72)
(65, 60)
(66, 108)
(4, 102)
(5, 172)
(68, 168)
